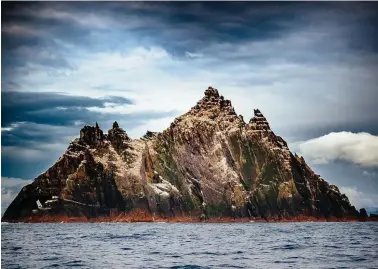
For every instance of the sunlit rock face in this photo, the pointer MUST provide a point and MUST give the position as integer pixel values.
(208, 163)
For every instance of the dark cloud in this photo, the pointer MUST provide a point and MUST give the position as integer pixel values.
(29, 134)
(28, 149)
(237, 38)
(37, 127)
(33, 31)
(52, 108)
(29, 117)
(178, 26)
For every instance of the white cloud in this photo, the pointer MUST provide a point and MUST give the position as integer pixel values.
(193, 55)
(151, 125)
(10, 187)
(360, 199)
(12, 126)
(11, 182)
(369, 174)
(357, 148)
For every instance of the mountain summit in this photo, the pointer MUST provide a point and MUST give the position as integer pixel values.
(208, 164)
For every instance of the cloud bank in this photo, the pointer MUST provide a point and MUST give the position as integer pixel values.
(357, 148)
(10, 187)
(359, 199)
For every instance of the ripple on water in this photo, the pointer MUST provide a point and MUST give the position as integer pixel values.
(149, 245)
(287, 247)
(189, 267)
(50, 259)
(52, 265)
(126, 248)
(332, 246)
(74, 263)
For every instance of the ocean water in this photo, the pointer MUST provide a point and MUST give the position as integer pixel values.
(179, 245)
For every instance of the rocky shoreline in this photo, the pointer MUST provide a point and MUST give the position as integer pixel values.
(142, 216)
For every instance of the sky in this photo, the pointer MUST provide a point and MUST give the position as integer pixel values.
(311, 68)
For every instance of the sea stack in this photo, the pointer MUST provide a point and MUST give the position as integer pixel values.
(208, 164)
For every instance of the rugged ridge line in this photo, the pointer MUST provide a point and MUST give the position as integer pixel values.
(208, 164)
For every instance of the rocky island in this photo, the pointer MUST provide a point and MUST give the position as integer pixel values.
(209, 165)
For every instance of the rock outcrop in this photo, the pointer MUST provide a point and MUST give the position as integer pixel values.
(209, 163)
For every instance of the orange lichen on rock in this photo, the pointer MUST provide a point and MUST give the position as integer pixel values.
(144, 216)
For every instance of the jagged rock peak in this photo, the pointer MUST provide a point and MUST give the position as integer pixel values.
(212, 97)
(259, 122)
(258, 116)
(212, 92)
(92, 135)
(118, 137)
(215, 107)
(299, 158)
(149, 135)
(116, 130)
(212, 100)
(257, 113)
(115, 125)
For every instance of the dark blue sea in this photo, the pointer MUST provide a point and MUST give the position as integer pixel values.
(202, 245)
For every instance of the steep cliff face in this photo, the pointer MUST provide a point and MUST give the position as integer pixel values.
(208, 163)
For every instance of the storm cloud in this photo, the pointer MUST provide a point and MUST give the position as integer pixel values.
(310, 68)
(37, 126)
(52, 108)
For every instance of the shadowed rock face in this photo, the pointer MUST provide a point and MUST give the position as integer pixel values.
(208, 163)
